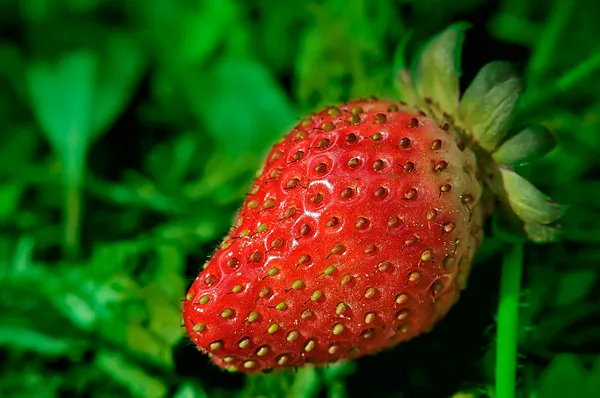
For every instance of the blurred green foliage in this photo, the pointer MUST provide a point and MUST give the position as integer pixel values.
(129, 131)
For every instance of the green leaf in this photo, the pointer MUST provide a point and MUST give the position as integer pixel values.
(338, 371)
(488, 105)
(580, 223)
(23, 254)
(71, 109)
(242, 106)
(26, 379)
(561, 87)
(10, 195)
(11, 69)
(334, 376)
(170, 163)
(136, 380)
(74, 304)
(195, 29)
(120, 70)
(190, 390)
(306, 383)
(268, 385)
(343, 58)
(80, 97)
(530, 204)
(594, 377)
(531, 143)
(61, 97)
(564, 377)
(576, 153)
(19, 152)
(574, 286)
(438, 68)
(201, 29)
(543, 56)
(337, 389)
(25, 337)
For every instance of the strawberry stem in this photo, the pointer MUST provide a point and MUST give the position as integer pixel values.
(508, 322)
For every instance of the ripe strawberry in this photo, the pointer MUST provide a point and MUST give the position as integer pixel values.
(360, 230)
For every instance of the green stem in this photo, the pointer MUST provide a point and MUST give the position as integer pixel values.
(508, 322)
(577, 74)
(72, 219)
(545, 50)
(562, 85)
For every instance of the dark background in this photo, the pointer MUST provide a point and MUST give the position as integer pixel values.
(130, 129)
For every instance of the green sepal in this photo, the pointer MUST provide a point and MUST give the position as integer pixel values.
(525, 200)
(487, 107)
(508, 228)
(489, 76)
(402, 79)
(405, 87)
(532, 142)
(539, 233)
(438, 68)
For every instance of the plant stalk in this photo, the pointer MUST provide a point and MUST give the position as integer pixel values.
(508, 322)
(72, 219)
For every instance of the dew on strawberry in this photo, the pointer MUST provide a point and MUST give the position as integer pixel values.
(360, 230)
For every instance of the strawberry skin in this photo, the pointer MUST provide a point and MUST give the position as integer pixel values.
(358, 234)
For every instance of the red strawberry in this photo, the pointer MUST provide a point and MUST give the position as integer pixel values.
(358, 234)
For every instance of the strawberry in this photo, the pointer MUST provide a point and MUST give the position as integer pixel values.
(360, 230)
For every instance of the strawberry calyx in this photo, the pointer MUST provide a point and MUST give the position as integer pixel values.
(483, 117)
